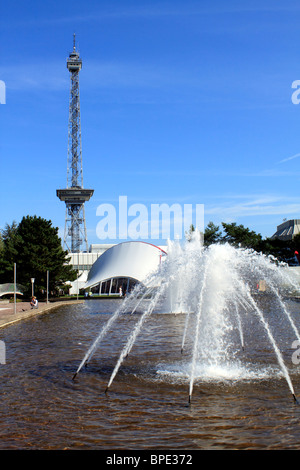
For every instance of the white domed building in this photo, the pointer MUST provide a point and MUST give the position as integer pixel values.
(122, 266)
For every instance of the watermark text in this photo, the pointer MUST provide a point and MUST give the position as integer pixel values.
(296, 94)
(296, 354)
(137, 221)
(2, 92)
(2, 353)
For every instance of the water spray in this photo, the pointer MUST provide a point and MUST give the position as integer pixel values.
(217, 285)
(107, 326)
(131, 340)
(271, 338)
(195, 348)
(295, 399)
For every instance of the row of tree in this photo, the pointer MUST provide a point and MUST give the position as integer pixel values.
(238, 235)
(34, 245)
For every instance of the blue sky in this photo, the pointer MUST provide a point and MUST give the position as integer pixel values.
(183, 102)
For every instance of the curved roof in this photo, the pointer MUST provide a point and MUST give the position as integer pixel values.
(129, 259)
(8, 288)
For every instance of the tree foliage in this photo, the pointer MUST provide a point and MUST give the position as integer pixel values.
(35, 247)
(240, 236)
(212, 234)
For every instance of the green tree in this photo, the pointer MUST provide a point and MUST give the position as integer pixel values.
(295, 243)
(283, 250)
(8, 253)
(212, 234)
(238, 235)
(35, 247)
(189, 234)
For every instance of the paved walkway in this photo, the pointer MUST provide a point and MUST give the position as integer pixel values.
(24, 310)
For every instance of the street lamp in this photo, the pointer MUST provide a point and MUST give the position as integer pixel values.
(15, 288)
(32, 286)
(47, 287)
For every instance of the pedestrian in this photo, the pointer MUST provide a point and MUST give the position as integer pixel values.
(34, 302)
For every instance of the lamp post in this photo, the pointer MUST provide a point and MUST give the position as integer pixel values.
(15, 288)
(32, 286)
(47, 287)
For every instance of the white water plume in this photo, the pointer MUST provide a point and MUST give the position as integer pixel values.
(131, 340)
(216, 288)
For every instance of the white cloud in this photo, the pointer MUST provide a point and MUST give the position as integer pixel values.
(256, 206)
(35, 76)
(297, 155)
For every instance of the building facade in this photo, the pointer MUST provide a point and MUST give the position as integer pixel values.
(108, 269)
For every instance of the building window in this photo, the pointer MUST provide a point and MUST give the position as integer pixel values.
(119, 283)
(95, 289)
(105, 287)
(113, 286)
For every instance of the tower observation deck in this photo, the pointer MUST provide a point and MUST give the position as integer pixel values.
(74, 195)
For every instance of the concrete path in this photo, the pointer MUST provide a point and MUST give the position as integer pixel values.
(24, 310)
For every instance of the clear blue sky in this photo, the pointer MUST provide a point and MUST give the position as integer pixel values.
(181, 102)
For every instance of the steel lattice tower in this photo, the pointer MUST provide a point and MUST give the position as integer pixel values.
(74, 195)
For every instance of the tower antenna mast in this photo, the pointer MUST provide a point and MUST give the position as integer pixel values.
(74, 195)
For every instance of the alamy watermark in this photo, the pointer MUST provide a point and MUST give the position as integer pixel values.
(2, 92)
(2, 353)
(158, 221)
(296, 354)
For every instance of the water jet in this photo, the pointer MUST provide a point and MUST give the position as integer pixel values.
(216, 287)
(295, 399)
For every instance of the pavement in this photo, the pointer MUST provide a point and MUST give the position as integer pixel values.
(24, 310)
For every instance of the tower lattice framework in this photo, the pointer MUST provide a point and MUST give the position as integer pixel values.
(74, 195)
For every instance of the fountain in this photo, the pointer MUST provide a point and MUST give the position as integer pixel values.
(216, 289)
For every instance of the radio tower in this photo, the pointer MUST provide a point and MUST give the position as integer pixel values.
(74, 195)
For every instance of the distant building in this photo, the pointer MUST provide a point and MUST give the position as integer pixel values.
(121, 267)
(83, 262)
(9, 289)
(287, 230)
